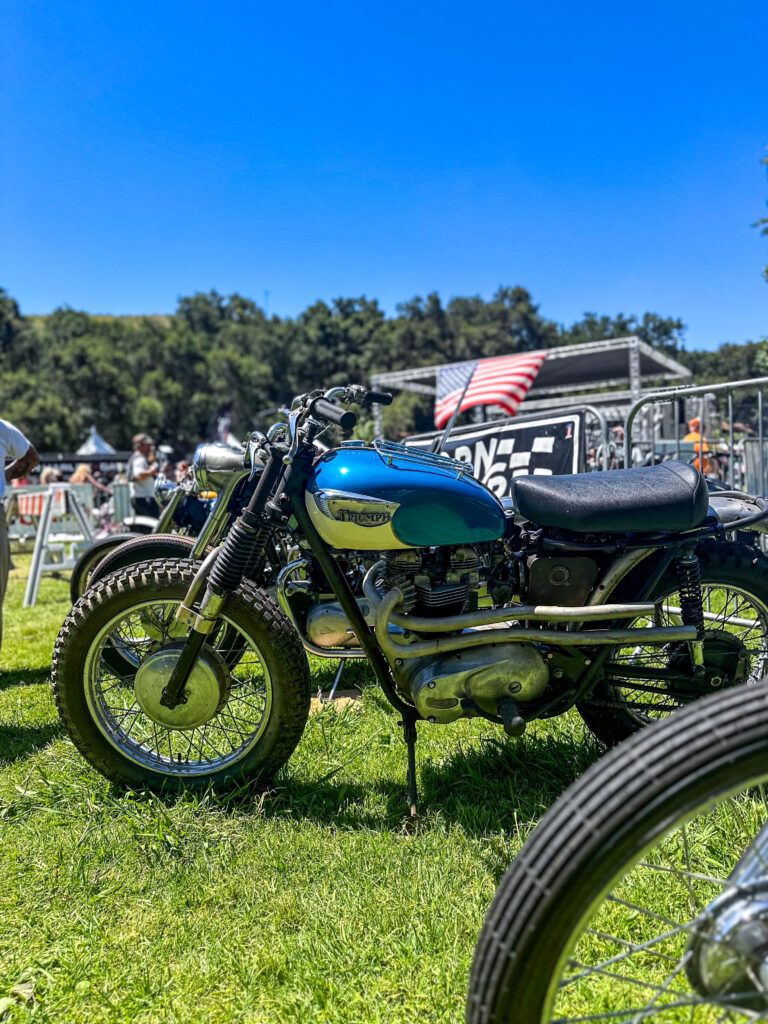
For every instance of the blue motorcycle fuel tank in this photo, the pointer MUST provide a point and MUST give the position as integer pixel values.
(389, 496)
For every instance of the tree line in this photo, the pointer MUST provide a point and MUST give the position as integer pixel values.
(168, 375)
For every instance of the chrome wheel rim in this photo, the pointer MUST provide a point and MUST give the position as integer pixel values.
(220, 743)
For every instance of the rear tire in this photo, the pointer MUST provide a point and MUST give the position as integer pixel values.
(106, 743)
(727, 564)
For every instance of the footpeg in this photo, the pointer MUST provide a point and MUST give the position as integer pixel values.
(513, 722)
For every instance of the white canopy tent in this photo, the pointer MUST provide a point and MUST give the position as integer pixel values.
(95, 444)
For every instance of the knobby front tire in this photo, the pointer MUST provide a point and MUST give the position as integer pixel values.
(131, 612)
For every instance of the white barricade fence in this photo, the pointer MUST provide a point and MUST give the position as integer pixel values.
(59, 515)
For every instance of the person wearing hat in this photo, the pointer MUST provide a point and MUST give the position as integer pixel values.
(142, 470)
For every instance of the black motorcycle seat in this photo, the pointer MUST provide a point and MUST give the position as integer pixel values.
(669, 497)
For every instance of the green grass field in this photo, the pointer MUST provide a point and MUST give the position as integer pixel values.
(311, 903)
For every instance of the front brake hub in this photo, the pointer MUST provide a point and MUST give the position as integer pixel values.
(727, 956)
(205, 692)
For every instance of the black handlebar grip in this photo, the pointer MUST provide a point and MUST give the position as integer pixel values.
(381, 397)
(330, 411)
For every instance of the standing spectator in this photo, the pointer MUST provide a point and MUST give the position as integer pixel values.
(703, 462)
(142, 470)
(15, 446)
(83, 475)
(49, 475)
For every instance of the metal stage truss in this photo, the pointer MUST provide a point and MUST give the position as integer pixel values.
(616, 371)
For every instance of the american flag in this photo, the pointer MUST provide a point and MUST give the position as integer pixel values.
(502, 381)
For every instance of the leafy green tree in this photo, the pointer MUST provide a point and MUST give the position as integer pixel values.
(664, 333)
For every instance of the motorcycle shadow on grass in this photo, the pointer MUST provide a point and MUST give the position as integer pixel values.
(490, 787)
(24, 677)
(17, 741)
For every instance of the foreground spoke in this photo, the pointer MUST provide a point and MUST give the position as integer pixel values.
(644, 936)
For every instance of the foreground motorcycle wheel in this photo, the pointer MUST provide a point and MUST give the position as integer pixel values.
(600, 916)
(243, 716)
(735, 590)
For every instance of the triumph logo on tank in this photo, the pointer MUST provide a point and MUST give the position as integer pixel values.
(359, 509)
(346, 515)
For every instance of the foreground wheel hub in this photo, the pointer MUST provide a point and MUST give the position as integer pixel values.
(205, 693)
(728, 952)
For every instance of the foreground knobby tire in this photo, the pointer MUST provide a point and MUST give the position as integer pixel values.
(589, 840)
(132, 611)
(731, 565)
(142, 549)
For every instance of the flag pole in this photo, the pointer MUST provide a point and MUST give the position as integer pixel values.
(454, 414)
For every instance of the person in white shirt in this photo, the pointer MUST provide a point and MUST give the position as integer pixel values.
(142, 470)
(23, 455)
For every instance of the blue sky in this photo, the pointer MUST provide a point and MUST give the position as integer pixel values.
(603, 155)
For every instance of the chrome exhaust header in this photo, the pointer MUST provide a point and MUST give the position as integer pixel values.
(395, 648)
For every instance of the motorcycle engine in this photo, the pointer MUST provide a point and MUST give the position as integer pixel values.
(480, 675)
(434, 581)
(441, 582)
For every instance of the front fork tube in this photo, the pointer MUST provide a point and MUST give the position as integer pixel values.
(246, 541)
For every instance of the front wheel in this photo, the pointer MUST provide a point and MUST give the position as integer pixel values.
(86, 564)
(735, 598)
(606, 914)
(243, 716)
(143, 549)
(613, 909)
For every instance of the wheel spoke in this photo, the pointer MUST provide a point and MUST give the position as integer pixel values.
(131, 638)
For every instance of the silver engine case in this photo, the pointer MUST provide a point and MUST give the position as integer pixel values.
(484, 675)
(328, 626)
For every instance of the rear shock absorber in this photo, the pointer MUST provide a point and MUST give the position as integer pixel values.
(691, 602)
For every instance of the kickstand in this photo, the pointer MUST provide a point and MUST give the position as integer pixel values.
(410, 737)
(333, 689)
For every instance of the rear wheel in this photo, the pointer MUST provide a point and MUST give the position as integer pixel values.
(735, 592)
(242, 718)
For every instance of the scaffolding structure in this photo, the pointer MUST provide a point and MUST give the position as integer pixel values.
(614, 372)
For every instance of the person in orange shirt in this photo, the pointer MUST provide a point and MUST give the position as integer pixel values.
(703, 462)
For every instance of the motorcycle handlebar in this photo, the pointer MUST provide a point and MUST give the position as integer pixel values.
(330, 411)
(380, 397)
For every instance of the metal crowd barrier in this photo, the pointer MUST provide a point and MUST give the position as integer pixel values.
(752, 475)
